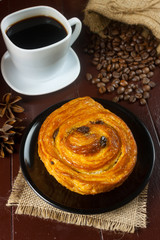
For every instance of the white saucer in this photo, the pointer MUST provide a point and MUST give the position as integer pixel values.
(65, 76)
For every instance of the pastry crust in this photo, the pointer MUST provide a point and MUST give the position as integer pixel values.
(87, 148)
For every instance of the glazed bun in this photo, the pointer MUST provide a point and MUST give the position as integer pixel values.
(87, 148)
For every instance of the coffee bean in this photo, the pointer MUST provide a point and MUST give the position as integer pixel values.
(133, 54)
(150, 74)
(115, 99)
(123, 83)
(109, 67)
(132, 99)
(145, 80)
(88, 76)
(139, 71)
(125, 61)
(152, 67)
(95, 80)
(146, 88)
(110, 53)
(138, 59)
(116, 39)
(116, 74)
(152, 84)
(121, 96)
(101, 84)
(139, 90)
(102, 89)
(125, 56)
(121, 60)
(142, 101)
(157, 61)
(116, 80)
(124, 76)
(149, 49)
(145, 70)
(126, 97)
(128, 91)
(102, 44)
(116, 65)
(109, 75)
(133, 67)
(120, 90)
(132, 85)
(146, 95)
(136, 79)
(153, 52)
(110, 88)
(105, 80)
(115, 32)
(99, 66)
(138, 95)
(120, 53)
(114, 60)
(115, 85)
(131, 74)
(126, 70)
(142, 66)
(144, 55)
(143, 75)
(100, 75)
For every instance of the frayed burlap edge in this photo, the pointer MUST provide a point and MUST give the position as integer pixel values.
(99, 221)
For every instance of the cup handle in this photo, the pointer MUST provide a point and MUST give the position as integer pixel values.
(78, 25)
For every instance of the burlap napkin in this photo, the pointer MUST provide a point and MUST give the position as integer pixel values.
(126, 219)
(145, 12)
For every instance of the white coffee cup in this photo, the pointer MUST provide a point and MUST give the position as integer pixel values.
(40, 63)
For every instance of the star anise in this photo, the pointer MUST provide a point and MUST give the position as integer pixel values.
(7, 136)
(8, 106)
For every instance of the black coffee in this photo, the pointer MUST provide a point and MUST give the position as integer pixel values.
(36, 32)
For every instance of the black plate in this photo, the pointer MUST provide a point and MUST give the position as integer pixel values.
(58, 196)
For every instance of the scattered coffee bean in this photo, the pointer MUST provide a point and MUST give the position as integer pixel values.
(138, 95)
(150, 74)
(105, 80)
(146, 88)
(120, 90)
(132, 99)
(102, 89)
(100, 84)
(126, 97)
(128, 91)
(123, 83)
(142, 101)
(88, 76)
(110, 88)
(115, 99)
(157, 62)
(152, 84)
(146, 95)
(145, 81)
(125, 61)
(95, 80)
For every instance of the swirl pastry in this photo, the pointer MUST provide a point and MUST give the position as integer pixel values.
(87, 148)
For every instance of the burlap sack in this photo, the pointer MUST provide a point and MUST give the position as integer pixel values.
(140, 12)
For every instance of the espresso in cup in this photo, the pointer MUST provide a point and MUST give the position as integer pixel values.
(38, 40)
(36, 32)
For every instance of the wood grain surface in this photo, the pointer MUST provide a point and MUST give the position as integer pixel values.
(20, 227)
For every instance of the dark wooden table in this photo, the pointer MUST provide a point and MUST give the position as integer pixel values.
(18, 227)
